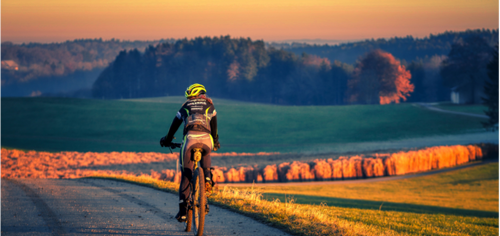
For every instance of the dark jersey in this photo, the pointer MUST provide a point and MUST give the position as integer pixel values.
(197, 115)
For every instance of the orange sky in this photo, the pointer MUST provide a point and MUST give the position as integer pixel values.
(271, 20)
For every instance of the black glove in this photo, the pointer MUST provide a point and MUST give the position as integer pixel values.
(163, 142)
(216, 143)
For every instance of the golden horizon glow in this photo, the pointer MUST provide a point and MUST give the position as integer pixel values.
(271, 20)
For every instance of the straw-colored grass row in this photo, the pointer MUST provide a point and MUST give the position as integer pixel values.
(354, 167)
(31, 164)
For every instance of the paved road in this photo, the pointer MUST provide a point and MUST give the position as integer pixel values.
(105, 207)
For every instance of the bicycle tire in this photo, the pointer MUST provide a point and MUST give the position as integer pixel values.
(189, 217)
(199, 201)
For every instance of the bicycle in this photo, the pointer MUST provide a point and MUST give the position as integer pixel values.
(197, 200)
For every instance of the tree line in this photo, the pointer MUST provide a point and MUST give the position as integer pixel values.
(249, 70)
(294, 74)
(246, 70)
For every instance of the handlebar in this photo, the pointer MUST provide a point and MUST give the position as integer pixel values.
(173, 146)
(176, 145)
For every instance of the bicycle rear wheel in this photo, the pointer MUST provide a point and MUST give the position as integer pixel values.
(200, 201)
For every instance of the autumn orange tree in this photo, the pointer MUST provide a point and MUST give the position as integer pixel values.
(379, 78)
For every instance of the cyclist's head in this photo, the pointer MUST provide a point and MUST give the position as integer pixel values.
(195, 90)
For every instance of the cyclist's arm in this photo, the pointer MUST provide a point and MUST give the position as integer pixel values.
(176, 123)
(213, 127)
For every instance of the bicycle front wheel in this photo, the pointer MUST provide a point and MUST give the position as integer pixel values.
(200, 201)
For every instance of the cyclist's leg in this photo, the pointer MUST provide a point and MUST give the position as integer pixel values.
(187, 175)
(206, 162)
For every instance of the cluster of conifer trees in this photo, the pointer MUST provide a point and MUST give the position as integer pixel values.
(229, 68)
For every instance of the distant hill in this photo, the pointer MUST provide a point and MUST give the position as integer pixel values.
(404, 48)
(37, 69)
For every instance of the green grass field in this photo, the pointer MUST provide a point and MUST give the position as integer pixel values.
(64, 124)
(460, 202)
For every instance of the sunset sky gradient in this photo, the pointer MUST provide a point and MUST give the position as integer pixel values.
(271, 20)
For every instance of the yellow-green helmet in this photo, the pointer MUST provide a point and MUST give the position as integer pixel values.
(195, 90)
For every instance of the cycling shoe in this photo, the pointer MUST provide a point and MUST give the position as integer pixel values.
(182, 214)
(180, 217)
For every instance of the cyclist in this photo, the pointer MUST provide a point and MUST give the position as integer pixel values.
(200, 131)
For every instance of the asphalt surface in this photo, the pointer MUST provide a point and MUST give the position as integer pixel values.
(105, 207)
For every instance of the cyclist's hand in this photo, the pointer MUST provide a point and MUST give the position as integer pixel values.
(163, 142)
(216, 145)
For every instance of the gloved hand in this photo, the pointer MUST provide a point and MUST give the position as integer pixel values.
(163, 142)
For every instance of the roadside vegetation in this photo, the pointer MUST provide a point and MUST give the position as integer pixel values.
(59, 124)
(420, 211)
